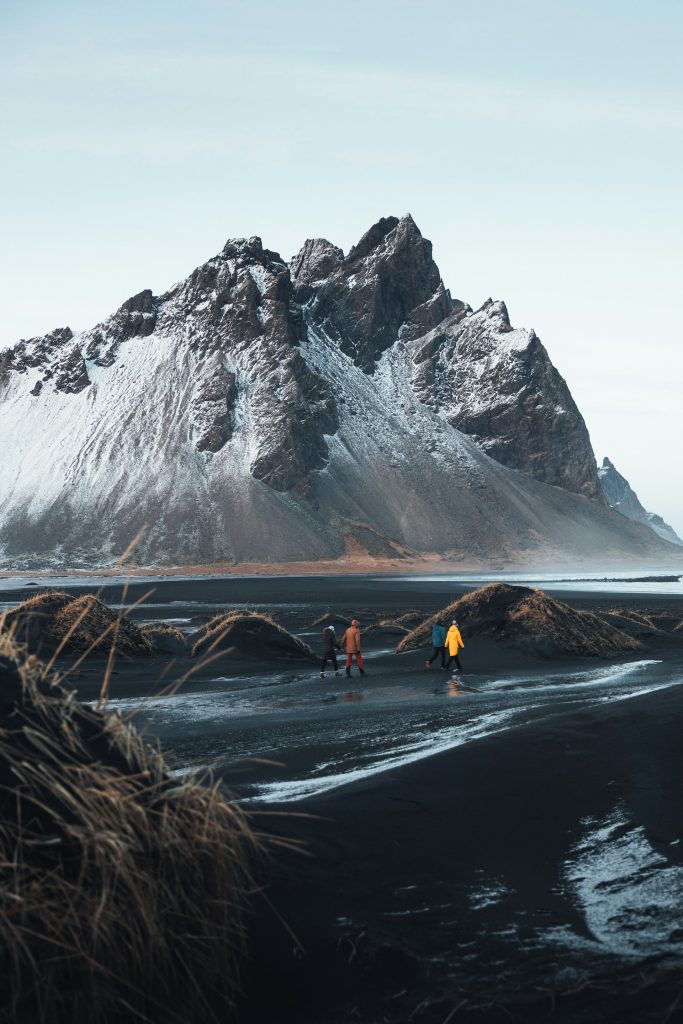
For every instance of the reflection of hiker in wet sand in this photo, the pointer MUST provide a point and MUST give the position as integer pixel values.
(351, 641)
(330, 647)
(453, 642)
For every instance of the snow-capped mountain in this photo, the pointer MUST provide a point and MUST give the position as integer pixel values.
(266, 411)
(622, 498)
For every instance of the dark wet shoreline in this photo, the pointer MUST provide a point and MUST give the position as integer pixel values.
(448, 874)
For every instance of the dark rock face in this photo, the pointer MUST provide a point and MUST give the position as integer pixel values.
(135, 318)
(213, 405)
(312, 265)
(71, 375)
(53, 356)
(499, 386)
(34, 353)
(622, 498)
(384, 279)
(238, 310)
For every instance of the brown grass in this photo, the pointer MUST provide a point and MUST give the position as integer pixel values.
(73, 623)
(528, 618)
(121, 888)
(251, 633)
(329, 618)
(164, 636)
(92, 625)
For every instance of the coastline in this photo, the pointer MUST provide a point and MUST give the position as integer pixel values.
(431, 564)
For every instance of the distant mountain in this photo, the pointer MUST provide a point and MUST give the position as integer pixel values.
(264, 411)
(622, 498)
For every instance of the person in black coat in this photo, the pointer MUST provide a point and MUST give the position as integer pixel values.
(330, 647)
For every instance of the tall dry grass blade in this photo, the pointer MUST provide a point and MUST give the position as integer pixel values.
(133, 544)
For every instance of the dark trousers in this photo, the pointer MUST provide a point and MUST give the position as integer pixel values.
(435, 654)
(329, 657)
(456, 659)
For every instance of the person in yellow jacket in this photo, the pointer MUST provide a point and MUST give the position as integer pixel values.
(453, 643)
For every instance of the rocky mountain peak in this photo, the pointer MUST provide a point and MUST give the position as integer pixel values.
(622, 498)
(385, 277)
(312, 265)
(497, 384)
(373, 237)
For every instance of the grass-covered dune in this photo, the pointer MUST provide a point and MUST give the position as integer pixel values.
(53, 619)
(529, 619)
(249, 633)
(122, 889)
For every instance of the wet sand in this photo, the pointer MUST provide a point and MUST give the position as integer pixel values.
(506, 845)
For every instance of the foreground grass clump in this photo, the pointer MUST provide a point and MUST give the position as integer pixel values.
(249, 633)
(529, 619)
(121, 889)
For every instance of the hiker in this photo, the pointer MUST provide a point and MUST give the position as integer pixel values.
(453, 642)
(439, 644)
(330, 647)
(351, 641)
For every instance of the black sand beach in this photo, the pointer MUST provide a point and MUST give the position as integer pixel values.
(504, 846)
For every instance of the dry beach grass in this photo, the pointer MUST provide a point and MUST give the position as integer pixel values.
(249, 631)
(122, 889)
(527, 618)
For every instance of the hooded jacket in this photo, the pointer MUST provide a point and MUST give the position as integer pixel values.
(454, 640)
(351, 638)
(330, 642)
(438, 636)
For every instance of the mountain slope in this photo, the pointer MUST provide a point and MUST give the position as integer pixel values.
(622, 498)
(260, 411)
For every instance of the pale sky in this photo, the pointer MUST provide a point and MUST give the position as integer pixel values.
(537, 143)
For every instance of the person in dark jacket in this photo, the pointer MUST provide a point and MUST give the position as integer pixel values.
(330, 647)
(439, 644)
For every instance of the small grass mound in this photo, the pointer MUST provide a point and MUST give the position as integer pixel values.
(29, 621)
(52, 618)
(529, 619)
(90, 625)
(251, 633)
(331, 619)
(632, 622)
(400, 623)
(409, 620)
(122, 890)
(165, 637)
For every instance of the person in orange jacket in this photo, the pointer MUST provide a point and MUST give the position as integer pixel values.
(351, 641)
(453, 643)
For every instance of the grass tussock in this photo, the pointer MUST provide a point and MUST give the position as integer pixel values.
(121, 888)
(408, 620)
(249, 633)
(53, 618)
(529, 619)
(329, 618)
(164, 636)
(90, 624)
